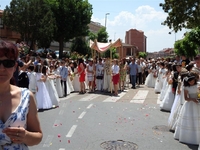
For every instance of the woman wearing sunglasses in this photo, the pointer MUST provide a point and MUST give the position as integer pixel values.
(19, 123)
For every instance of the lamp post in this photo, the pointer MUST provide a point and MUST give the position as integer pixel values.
(106, 18)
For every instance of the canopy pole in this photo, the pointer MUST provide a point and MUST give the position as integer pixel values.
(111, 69)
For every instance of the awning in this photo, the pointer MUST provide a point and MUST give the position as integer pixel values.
(102, 47)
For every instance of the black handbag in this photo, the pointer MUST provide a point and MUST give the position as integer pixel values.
(99, 77)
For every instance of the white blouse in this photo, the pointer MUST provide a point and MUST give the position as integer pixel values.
(115, 69)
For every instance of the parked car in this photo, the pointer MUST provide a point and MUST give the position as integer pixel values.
(57, 52)
(43, 50)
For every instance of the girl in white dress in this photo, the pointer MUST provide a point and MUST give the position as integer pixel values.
(159, 80)
(50, 85)
(165, 84)
(188, 126)
(168, 100)
(178, 101)
(151, 78)
(42, 95)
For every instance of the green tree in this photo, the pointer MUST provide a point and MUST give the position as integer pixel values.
(92, 36)
(72, 19)
(142, 54)
(186, 47)
(114, 54)
(178, 48)
(194, 36)
(80, 46)
(33, 19)
(102, 35)
(181, 14)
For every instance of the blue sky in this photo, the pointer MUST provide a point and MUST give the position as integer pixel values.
(145, 15)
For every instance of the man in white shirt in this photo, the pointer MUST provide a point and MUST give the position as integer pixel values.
(99, 75)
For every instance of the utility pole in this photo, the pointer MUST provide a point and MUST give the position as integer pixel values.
(106, 18)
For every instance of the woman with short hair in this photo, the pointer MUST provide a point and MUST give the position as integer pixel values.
(19, 123)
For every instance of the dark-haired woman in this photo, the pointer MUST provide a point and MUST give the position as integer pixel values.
(115, 76)
(19, 123)
(81, 73)
(188, 126)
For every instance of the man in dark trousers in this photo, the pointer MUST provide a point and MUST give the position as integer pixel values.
(64, 74)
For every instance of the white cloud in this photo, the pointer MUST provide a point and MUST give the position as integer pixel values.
(144, 18)
(149, 13)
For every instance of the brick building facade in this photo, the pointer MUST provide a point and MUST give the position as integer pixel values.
(136, 38)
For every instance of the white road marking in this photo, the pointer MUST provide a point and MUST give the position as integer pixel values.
(61, 112)
(71, 131)
(64, 105)
(68, 96)
(89, 97)
(48, 141)
(140, 96)
(82, 115)
(158, 100)
(61, 148)
(89, 106)
(114, 99)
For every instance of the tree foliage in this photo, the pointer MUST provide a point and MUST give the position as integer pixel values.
(181, 14)
(186, 47)
(194, 36)
(72, 19)
(142, 54)
(80, 46)
(102, 35)
(114, 54)
(92, 36)
(33, 19)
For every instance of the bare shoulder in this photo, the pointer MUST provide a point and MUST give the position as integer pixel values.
(15, 90)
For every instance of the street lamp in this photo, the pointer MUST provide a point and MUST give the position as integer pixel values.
(106, 18)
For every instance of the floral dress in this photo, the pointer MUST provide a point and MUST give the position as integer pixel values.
(17, 119)
(122, 72)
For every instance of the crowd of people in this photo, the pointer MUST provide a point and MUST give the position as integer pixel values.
(175, 79)
(179, 88)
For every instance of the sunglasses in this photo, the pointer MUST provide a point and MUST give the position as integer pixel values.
(7, 63)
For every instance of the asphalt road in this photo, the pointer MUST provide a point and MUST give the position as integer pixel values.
(95, 121)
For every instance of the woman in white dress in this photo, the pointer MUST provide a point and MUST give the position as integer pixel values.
(151, 78)
(159, 80)
(42, 95)
(57, 80)
(50, 85)
(70, 87)
(188, 126)
(76, 83)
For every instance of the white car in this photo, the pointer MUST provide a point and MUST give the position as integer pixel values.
(57, 52)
